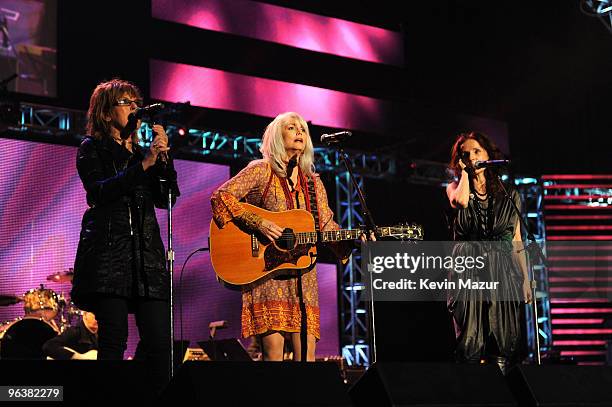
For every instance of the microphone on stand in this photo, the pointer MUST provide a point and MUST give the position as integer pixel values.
(335, 137)
(491, 164)
(138, 114)
(149, 110)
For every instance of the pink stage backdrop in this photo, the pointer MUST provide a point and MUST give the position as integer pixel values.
(286, 26)
(212, 88)
(41, 205)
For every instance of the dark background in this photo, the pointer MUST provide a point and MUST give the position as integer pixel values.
(541, 67)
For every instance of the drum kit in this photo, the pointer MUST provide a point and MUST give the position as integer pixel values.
(46, 315)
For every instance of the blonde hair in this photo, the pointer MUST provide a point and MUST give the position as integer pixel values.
(273, 146)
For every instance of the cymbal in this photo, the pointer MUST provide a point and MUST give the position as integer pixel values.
(8, 299)
(61, 277)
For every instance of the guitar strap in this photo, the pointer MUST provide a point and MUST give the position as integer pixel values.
(311, 193)
(310, 197)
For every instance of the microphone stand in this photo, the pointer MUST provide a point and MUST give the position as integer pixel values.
(169, 258)
(370, 227)
(536, 256)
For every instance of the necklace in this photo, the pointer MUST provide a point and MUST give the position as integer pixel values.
(484, 216)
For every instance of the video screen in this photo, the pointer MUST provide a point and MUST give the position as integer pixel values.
(28, 47)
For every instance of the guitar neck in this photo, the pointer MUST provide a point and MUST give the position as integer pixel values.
(337, 235)
(327, 236)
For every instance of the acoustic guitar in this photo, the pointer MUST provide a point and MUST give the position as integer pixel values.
(241, 258)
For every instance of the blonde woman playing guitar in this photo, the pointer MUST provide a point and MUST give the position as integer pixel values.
(284, 179)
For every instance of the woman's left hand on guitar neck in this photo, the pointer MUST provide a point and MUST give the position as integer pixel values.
(364, 238)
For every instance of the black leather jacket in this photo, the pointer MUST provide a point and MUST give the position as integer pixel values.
(120, 251)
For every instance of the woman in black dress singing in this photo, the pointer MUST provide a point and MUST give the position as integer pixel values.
(486, 328)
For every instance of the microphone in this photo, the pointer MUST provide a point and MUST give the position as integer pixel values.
(140, 112)
(335, 137)
(491, 164)
(218, 324)
(213, 326)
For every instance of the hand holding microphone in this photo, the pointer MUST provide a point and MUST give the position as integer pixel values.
(160, 142)
(149, 110)
(467, 165)
(159, 147)
(138, 114)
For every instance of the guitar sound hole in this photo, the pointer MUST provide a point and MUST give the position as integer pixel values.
(287, 240)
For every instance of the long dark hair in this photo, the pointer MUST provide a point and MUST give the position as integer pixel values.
(101, 104)
(485, 142)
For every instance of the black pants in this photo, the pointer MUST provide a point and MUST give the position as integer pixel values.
(152, 319)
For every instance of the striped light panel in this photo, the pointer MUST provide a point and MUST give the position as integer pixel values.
(285, 26)
(212, 88)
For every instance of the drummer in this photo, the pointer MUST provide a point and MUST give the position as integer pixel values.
(43, 303)
(77, 342)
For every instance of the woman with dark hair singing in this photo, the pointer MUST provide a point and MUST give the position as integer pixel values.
(120, 264)
(486, 327)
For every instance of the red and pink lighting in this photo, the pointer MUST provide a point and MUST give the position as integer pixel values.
(285, 26)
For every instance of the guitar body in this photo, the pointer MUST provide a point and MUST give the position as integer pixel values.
(242, 258)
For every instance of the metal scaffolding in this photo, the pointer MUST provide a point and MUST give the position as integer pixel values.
(602, 9)
(531, 191)
(354, 321)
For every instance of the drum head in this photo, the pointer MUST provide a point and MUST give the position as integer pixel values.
(25, 338)
(41, 302)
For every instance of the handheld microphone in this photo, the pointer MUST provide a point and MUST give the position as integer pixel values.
(149, 110)
(491, 164)
(138, 114)
(335, 137)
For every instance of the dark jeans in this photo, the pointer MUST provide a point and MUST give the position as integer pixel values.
(152, 319)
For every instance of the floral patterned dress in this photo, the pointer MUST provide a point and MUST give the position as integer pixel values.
(273, 305)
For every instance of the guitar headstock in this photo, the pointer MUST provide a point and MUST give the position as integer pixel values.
(403, 231)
